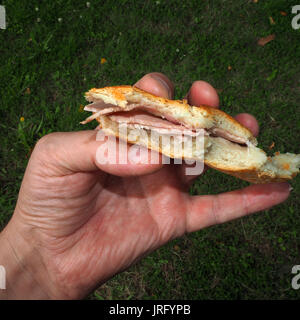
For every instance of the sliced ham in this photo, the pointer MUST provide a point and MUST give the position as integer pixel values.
(110, 108)
(100, 112)
(99, 105)
(106, 108)
(141, 119)
(143, 116)
(170, 131)
(227, 135)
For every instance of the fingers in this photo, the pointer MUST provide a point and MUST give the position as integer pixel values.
(126, 159)
(205, 211)
(157, 84)
(202, 93)
(249, 122)
(63, 153)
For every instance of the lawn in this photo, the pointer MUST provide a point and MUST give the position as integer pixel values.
(50, 54)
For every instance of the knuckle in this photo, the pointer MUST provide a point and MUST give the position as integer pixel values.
(46, 142)
(216, 210)
(46, 139)
(245, 204)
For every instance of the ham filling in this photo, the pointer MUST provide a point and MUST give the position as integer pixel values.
(140, 116)
(140, 119)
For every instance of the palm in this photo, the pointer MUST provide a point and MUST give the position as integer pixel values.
(107, 223)
(132, 216)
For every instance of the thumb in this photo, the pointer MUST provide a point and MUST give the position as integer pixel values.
(68, 152)
(122, 159)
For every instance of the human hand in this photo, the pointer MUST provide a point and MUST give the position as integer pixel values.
(78, 222)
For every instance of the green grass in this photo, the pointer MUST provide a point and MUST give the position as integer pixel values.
(250, 258)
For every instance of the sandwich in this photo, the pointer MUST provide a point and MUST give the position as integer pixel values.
(139, 117)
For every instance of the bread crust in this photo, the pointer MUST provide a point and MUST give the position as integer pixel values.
(119, 95)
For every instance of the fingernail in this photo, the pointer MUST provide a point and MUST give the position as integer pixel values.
(164, 83)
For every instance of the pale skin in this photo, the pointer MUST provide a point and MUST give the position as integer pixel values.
(77, 223)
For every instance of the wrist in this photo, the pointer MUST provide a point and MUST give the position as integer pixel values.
(20, 281)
